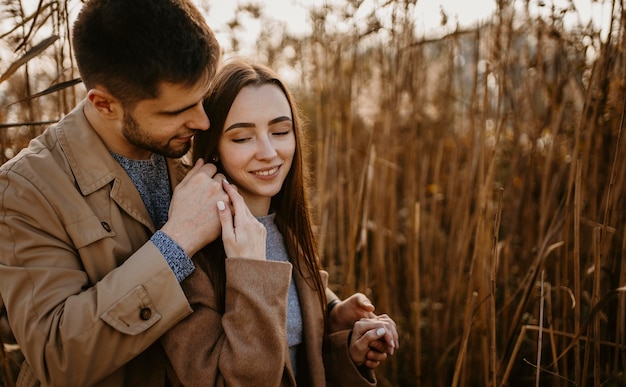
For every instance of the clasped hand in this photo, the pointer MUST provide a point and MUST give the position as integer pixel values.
(373, 337)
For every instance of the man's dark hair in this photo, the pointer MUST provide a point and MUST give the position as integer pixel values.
(130, 47)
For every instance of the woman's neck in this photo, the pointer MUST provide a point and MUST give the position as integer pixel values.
(258, 206)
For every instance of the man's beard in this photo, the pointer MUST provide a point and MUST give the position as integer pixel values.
(141, 138)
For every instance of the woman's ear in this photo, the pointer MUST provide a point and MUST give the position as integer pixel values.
(108, 106)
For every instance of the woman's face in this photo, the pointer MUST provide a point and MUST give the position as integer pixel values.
(257, 145)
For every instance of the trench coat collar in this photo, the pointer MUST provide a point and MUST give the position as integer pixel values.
(93, 166)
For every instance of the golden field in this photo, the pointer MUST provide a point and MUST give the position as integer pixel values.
(472, 184)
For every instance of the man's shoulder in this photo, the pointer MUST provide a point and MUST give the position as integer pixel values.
(39, 151)
(39, 146)
(47, 151)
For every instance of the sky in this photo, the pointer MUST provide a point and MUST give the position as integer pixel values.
(294, 11)
(427, 12)
(428, 15)
(462, 13)
(465, 12)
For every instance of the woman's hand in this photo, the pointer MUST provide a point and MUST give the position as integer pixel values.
(347, 312)
(242, 234)
(372, 339)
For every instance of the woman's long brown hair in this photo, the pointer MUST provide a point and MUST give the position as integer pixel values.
(293, 217)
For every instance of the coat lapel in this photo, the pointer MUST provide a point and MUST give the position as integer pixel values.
(313, 326)
(93, 171)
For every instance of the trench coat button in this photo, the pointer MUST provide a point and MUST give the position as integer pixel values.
(106, 226)
(145, 314)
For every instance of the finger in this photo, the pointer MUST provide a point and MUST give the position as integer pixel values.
(392, 330)
(370, 335)
(240, 208)
(367, 325)
(219, 177)
(376, 355)
(367, 314)
(371, 363)
(374, 358)
(361, 339)
(226, 219)
(390, 340)
(199, 167)
(379, 346)
(196, 167)
(199, 163)
(364, 303)
(208, 168)
(391, 336)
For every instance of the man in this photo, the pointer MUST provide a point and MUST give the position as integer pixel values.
(89, 259)
(97, 223)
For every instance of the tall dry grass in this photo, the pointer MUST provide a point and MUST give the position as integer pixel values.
(472, 185)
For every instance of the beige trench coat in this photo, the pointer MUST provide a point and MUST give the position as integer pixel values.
(85, 291)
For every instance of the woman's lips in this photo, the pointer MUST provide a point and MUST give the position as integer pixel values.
(266, 172)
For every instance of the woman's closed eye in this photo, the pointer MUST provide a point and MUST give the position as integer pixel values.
(281, 133)
(239, 135)
(281, 128)
(241, 140)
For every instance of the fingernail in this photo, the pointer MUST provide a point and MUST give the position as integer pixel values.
(226, 181)
(220, 205)
(380, 331)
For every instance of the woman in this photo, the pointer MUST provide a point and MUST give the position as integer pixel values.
(260, 315)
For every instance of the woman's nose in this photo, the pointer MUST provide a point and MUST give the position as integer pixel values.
(265, 148)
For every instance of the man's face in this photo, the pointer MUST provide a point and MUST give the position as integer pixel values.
(166, 124)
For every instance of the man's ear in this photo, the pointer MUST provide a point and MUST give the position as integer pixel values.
(108, 106)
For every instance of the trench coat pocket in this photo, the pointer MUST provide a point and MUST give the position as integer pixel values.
(132, 314)
(88, 231)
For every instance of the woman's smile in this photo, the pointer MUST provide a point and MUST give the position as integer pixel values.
(270, 172)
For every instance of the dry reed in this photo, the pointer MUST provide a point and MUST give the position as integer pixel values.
(449, 174)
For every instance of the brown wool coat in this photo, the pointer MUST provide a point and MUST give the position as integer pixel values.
(86, 293)
(247, 345)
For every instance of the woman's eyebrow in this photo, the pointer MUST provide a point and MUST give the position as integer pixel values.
(279, 119)
(240, 125)
(252, 125)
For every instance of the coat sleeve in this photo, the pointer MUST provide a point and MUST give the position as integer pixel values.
(72, 329)
(246, 345)
(340, 369)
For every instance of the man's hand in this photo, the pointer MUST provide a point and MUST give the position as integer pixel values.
(193, 216)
